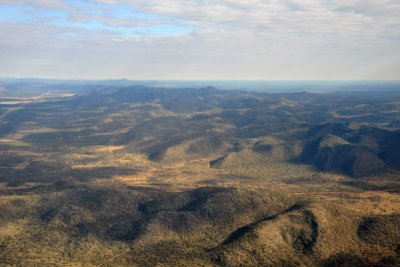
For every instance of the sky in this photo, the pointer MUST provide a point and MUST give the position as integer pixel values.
(201, 40)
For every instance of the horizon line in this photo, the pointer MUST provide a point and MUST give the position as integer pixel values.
(200, 80)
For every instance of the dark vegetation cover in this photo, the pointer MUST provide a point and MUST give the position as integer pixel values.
(106, 175)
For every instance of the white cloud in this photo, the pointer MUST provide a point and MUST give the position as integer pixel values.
(56, 4)
(276, 39)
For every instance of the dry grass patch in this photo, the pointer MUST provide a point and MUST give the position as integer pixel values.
(12, 229)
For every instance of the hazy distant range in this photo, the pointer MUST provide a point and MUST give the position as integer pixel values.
(272, 86)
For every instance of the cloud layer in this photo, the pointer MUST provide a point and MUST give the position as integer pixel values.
(197, 39)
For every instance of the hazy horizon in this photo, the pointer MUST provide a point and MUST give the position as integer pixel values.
(272, 86)
(200, 80)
